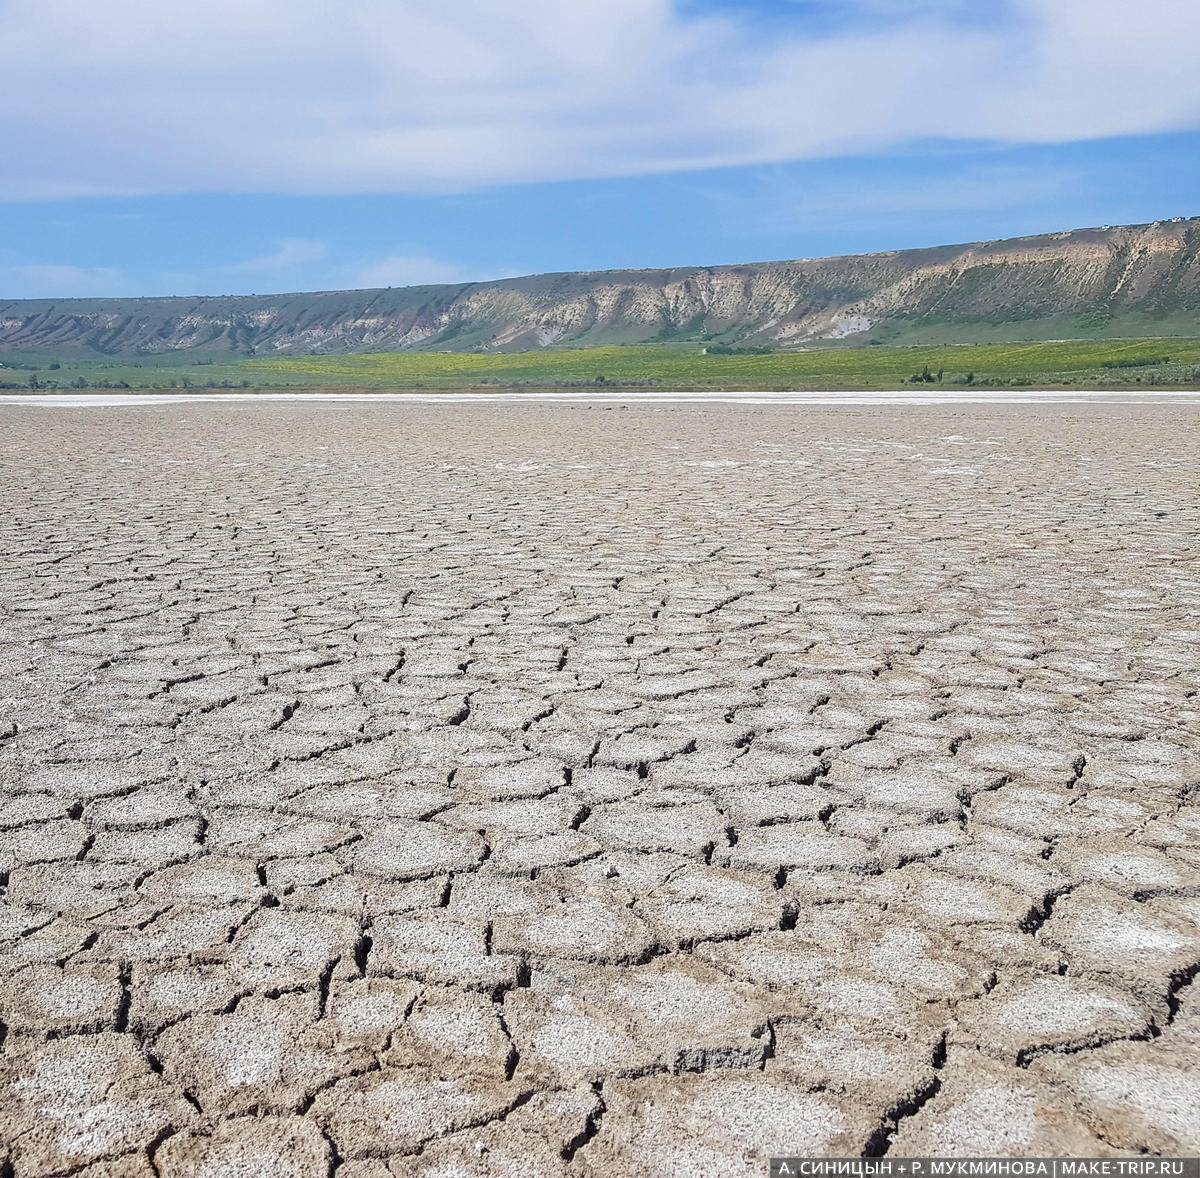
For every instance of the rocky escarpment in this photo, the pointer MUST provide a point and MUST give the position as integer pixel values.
(1083, 279)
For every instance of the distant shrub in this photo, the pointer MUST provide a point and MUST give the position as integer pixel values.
(1137, 362)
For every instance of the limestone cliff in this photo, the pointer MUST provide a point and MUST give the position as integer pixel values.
(1082, 282)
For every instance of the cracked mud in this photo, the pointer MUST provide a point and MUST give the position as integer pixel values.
(530, 790)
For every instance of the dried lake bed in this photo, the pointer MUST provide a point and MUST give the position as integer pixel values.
(501, 787)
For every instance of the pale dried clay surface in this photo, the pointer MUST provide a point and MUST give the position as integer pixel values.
(527, 790)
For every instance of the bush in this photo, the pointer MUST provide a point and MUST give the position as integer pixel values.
(730, 350)
(1137, 362)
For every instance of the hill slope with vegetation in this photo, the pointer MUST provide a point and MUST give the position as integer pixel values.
(1127, 281)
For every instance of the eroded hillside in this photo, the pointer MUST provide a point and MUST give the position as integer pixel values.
(1083, 282)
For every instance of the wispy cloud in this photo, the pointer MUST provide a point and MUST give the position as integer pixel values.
(772, 201)
(414, 270)
(401, 96)
(288, 261)
(288, 254)
(49, 280)
(287, 266)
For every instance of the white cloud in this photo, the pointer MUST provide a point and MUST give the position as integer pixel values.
(402, 96)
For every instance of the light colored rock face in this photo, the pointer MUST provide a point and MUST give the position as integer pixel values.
(1124, 268)
(566, 791)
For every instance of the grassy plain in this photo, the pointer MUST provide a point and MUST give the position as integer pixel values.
(1103, 363)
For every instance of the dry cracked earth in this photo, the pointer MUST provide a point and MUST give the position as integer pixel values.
(586, 790)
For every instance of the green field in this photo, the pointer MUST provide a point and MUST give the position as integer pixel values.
(1172, 362)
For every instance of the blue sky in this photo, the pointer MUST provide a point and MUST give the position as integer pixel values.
(259, 145)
